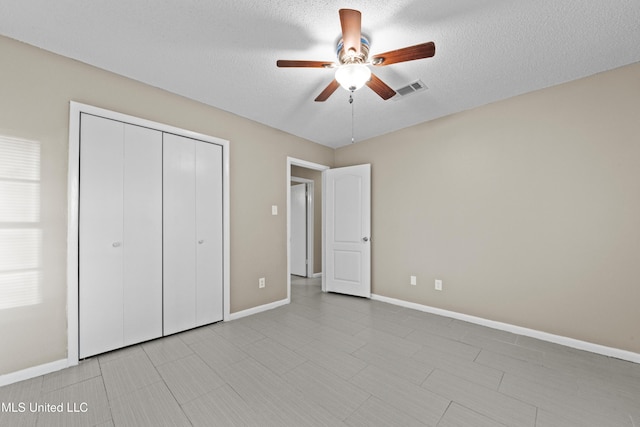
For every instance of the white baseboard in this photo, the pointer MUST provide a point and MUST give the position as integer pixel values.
(259, 309)
(545, 336)
(316, 275)
(34, 371)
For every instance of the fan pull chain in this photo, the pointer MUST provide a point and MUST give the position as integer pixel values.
(352, 116)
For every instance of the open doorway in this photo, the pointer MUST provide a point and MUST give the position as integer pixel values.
(302, 221)
(310, 174)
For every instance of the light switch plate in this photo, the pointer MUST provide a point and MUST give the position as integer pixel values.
(274, 210)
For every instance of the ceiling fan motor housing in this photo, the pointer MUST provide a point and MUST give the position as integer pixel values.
(351, 57)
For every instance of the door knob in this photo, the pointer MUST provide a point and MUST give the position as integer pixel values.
(365, 239)
(200, 242)
(116, 244)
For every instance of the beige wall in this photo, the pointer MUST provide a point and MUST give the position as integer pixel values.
(316, 176)
(528, 209)
(35, 90)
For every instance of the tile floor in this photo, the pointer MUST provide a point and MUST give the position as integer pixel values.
(335, 360)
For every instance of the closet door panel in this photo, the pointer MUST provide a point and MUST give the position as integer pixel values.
(142, 246)
(100, 238)
(179, 234)
(209, 289)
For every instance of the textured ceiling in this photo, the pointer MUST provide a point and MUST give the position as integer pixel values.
(223, 53)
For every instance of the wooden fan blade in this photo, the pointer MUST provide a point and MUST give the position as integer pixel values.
(307, 64)
(380, 87)
(419, 51)
(351, 23)
(326, 93)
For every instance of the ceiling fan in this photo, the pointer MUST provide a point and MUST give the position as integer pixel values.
(352, 71)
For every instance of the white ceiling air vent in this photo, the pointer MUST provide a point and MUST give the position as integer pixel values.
(411, 88)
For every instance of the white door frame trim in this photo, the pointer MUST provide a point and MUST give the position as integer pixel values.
(310, 203)
(73, 204)
(292, 161)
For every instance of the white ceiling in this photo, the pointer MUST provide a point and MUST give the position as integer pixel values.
(223, 53)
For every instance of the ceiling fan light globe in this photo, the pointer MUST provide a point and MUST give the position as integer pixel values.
(353, 76)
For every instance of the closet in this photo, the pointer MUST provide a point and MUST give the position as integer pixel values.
(150, 234)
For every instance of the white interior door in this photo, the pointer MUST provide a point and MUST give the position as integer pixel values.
(142, 243)
(347, 213)
(100, 238)
(179, 234)
(120, 265)
(298, 247)
(193, 233)
(209, 252)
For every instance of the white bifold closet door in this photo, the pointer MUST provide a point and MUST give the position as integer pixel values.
(192, 233)
(120, 240)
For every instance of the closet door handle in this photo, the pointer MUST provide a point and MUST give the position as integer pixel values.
(116, 244)
(200, 242)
